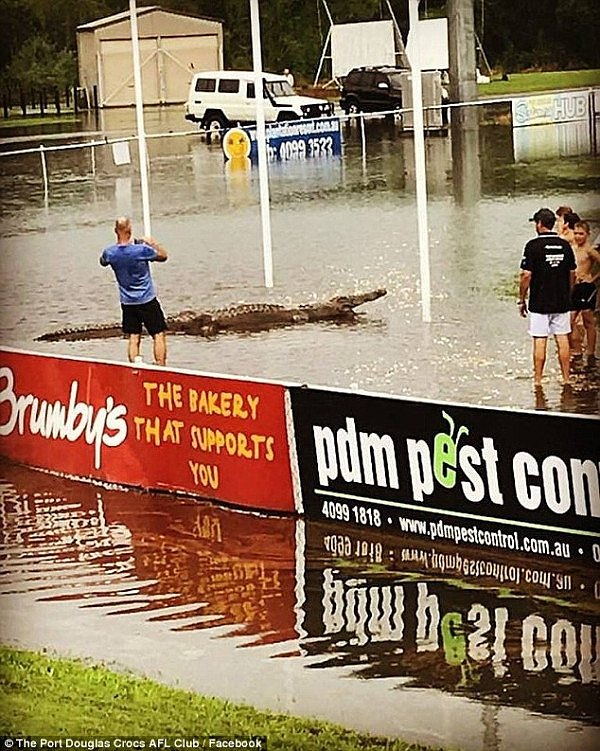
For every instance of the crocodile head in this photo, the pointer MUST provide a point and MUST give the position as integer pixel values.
(349, 302)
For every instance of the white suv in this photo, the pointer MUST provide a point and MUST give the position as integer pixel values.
(218, 99)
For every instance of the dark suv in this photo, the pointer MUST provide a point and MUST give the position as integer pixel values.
(372, 89)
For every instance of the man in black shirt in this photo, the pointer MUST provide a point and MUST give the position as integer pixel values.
(547, 273)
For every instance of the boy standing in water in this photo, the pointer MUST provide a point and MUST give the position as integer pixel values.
(583, 295)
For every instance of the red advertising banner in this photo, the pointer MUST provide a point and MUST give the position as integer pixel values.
(212, 436)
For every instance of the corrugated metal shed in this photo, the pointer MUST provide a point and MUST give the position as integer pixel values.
(173, 47)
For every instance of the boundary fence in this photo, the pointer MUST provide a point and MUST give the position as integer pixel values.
(431, 124)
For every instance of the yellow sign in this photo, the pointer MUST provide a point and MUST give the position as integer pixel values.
(236, 144)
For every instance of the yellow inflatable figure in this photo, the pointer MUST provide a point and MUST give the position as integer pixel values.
(236, 147)
(236, 144)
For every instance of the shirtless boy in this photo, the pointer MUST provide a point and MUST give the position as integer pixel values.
(560, 222)
(566, 226)
(583, 294)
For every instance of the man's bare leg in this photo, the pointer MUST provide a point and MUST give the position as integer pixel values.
(133, 346)
(564, 354)
(539, 358)
(160, 348)
(576, 335)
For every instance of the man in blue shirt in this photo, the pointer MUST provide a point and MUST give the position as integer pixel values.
(129, 259)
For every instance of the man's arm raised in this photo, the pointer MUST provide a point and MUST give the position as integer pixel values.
(161, 251)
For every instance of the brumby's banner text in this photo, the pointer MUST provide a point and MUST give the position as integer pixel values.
(152, 428)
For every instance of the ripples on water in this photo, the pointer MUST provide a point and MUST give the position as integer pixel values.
(399, 622)
(459, 649)
(130, 552)
(337, 226)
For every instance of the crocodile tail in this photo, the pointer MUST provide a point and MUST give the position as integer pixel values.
(79, 333)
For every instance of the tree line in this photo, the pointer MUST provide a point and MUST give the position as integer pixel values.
(38, 37)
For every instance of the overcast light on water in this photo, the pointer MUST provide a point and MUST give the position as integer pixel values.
(456, 648)
(340, 225)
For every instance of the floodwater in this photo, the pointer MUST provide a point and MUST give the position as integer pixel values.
(339, 225)
(458, 649)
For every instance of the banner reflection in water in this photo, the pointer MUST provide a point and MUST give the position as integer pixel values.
(495, 629)
(506, 632)
(186, 561)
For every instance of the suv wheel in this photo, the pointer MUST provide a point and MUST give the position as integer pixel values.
(214, 123)
(352, 107)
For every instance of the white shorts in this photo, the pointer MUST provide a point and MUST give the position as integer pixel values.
(544, 324)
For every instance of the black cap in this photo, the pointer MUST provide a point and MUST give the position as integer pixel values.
(545, 216)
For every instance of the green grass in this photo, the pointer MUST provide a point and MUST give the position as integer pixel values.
(43, 696)
(18, 121)
(521, 83)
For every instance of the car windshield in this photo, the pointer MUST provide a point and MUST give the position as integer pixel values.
(279, 88)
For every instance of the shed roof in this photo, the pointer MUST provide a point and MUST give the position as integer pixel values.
(141, 10)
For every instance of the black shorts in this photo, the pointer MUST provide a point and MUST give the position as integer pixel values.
(583, 296)
(149, 314)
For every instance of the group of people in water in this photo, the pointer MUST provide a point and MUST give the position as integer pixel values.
(560, 274)
(558, 289)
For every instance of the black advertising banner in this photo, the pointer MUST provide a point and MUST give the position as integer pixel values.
(523, 482)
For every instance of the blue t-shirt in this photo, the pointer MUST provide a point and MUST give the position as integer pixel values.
(130, 264)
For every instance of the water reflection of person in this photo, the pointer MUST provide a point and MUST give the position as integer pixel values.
(541, 402)
(567, 399)
(129, 259)
(547, 275)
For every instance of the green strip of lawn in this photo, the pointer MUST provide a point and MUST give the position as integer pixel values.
(522, 83)
(29, 121)
(42, 696)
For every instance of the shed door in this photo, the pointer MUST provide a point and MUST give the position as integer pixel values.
(116, 72)
(167, 63)
(179, 59)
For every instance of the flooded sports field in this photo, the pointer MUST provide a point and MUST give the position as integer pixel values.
(455, 647)
(339, 225)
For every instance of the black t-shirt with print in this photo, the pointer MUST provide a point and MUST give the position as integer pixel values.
(550, 259)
